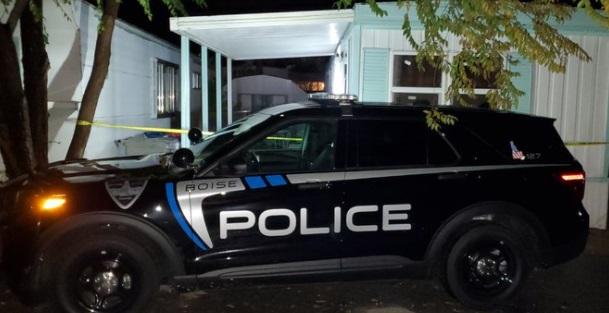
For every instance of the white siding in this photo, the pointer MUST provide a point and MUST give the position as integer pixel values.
(578, 99)
(127, 96)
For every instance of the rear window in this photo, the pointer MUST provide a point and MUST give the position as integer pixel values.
(403, 142)
(522, 139)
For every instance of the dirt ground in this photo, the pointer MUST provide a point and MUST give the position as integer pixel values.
(578, 286)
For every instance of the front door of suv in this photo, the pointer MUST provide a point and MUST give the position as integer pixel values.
(391, 191)
(277, 217)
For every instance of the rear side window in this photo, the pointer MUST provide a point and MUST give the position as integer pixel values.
(390, 143)
(523, 139)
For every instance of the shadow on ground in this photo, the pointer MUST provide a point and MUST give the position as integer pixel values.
(579, 286)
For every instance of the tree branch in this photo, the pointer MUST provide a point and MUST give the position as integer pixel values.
(15, 15)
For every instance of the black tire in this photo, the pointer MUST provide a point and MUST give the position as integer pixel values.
(103, 273)
(486, 266)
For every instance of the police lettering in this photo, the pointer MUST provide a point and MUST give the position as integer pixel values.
(393, 218)
(211, 185)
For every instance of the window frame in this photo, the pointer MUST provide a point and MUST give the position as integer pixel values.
(237, 152)
(161, 82)
(393, 90)
(441, 91)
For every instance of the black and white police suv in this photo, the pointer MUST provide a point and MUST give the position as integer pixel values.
(325, 189)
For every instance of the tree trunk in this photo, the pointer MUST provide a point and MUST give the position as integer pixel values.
(35, 69)
(94, 87)
(15, 139)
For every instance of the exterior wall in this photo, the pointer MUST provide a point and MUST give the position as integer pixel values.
(128, 94)
(127, 97)
(578, 99)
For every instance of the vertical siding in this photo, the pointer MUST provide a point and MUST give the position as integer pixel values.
(375, 84)
(578, 99)
(524, 82)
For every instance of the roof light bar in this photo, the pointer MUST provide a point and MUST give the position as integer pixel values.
(331, 96)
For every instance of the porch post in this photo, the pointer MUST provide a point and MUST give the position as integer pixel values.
(204, 89)
(229, 89)
(185, 89)
(218, 90)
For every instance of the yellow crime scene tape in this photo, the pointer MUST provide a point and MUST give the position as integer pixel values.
(142, 128)
(207, 133)
(585, 143)
(163, 130)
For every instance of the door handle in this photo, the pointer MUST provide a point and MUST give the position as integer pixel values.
(315, 184)
(452, 176)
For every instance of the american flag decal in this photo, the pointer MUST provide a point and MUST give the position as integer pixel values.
(516, 154)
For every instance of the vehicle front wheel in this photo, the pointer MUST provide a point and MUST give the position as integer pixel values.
(105, 273)
(486, 266)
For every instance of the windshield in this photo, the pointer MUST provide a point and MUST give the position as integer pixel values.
(212, 143)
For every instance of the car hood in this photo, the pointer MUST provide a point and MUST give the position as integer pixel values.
(148, 163)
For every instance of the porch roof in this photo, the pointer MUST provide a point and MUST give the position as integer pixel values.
(267, 35)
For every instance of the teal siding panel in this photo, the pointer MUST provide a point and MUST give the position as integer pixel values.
(524, 83)
(375, 78)
(579, 24)
(393, 20)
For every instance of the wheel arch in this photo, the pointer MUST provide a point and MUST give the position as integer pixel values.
(106, 222)
(509, 215)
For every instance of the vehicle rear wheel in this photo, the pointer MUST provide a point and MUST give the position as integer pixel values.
(486, 266)
(105, 273)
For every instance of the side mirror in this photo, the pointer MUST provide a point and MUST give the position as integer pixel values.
(183, 158)
(195, 135)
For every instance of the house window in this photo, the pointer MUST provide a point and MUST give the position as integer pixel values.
(428, 85)
(481, 87)
(414, 85)
(195, 80)
(167, 88)
(313, 86)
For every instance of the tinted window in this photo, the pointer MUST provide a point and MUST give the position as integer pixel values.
(439, 151)
(521, 139)
(391, 143)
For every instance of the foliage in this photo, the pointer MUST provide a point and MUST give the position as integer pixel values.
(435, 118)
(489, 32)
(23, 138)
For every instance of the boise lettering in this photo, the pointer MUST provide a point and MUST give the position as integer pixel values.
(211, 185)
(393, 218)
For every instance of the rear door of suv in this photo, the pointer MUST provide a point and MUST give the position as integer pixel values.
(392, 191)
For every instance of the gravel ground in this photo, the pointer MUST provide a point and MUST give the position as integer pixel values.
(578, 286)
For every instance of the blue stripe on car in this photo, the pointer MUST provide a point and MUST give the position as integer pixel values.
(175, 209)
(255, 182)
(275, 180)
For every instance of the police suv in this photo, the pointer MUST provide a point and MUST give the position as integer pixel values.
(328, 188)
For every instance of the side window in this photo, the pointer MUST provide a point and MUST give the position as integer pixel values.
(383, 143)
(303, 146)
(439, 151)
